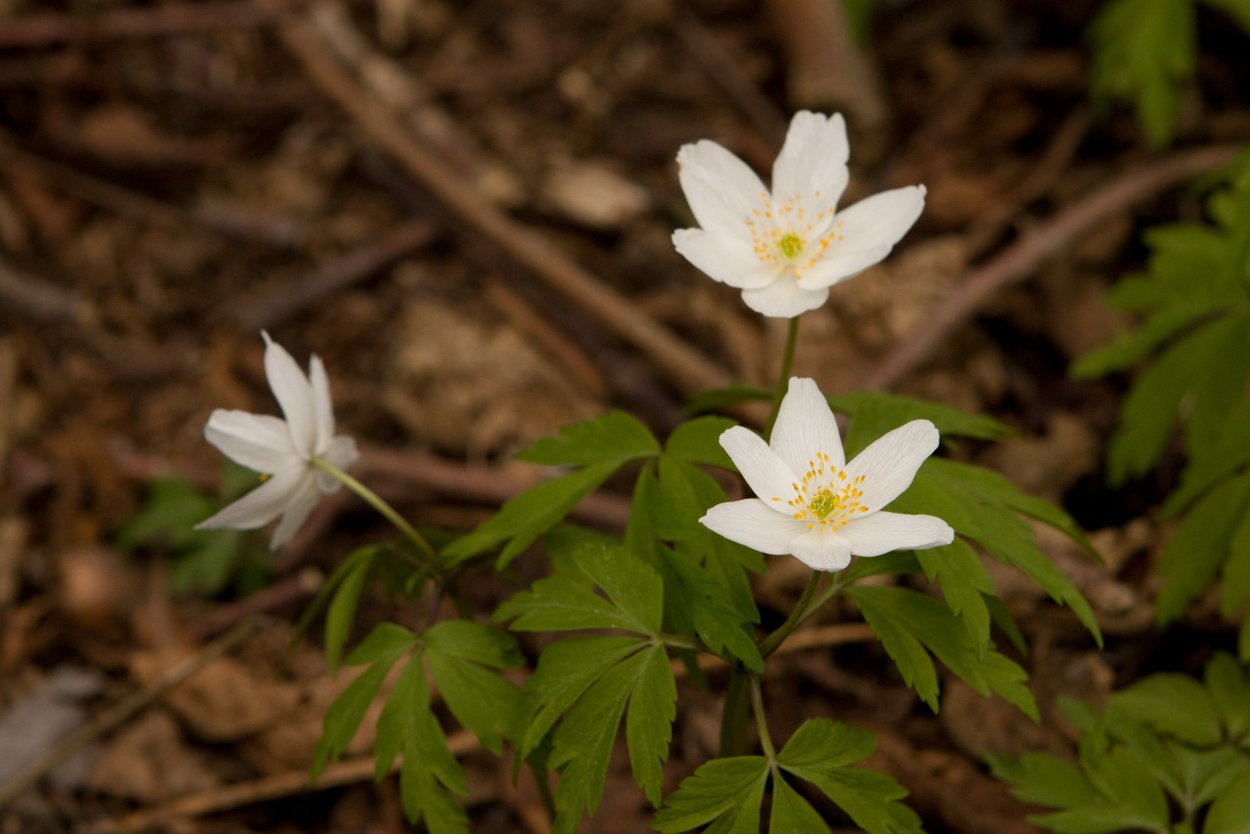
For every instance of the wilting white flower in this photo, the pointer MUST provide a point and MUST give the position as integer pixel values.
(284, 450)
(811, 502)
(784, 249)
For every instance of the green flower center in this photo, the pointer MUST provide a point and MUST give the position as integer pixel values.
(824, 503)
(791, 245)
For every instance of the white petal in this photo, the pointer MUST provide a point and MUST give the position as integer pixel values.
(822, 550)
(866, 232)
(300, 506)
(323, 408)
(730, 260)
(882, 532)
(812, 164)
(890, 462)
(764, 472)
(341, 454)
(257, 441)
(805, 425)
(721, 189)
(836, 266)
(261, 505)
(294, 394)
(753, 523)
(784, 298)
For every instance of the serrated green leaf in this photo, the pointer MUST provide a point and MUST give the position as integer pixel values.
(613, 438)
(698, 441)
(527, 516)
(1042, 779)
(566, 669)
(1006, 624)
(791, 812)
(649, 721)
(965, 583)
(463, 656)
(1201, 542)
(341, 612)
(1172, 704)
(819, 752)
(582, 744)
(1133, 345)
(1230, 812)
(719, 399)
(911, 619)
(874, 413)
(1143, 51)
(386, 640)
(725, 792)
(474, 642)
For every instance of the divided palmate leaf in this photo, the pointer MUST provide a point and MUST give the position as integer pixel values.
(724, 792)
(615, 438)
(464, 658)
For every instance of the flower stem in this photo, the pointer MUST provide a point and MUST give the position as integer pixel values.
(802, 610)
(386, 510)
(733, 719)
(757, 707)
(783, 379)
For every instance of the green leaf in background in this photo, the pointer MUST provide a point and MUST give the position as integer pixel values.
(719, 399)
(1229, 689)
(1154, 702)
(464, 657)
(1201, 542)
(698, 441)
(614, 438)
(821, 752)
(873, 413)
(345, 586)
(911, 624)
(1230, 812)
(724, 792)
(1143, 52)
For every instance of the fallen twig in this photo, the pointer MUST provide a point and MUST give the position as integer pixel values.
(40, 301)
(1035, 247)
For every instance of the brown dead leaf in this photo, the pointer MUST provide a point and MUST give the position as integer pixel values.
(149, 761)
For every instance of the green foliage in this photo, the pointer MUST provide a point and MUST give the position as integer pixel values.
(465, 659)
(728, 793)
(600, 447)
(204, 561)
(874, 413)
(1195, 302)
(1165, 747)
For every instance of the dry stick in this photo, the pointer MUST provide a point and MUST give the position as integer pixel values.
(1043, 242)
(121, 710)
(155, 21)
(41, 301)
(291, 298)
(685, 366)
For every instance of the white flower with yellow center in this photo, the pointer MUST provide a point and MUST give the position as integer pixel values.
(785, 248)
(285, 451)
(814, 504)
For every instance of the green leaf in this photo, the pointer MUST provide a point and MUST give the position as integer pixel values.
(719, 399)
(614, 438)
(1172, 704)
(1211, 463)
(698, 441)
(1230, 692)
(792, 812)
(820, 752)
(965, 584)
(463, 656)
(905, 620)
(566, 669)
(724, 792)
(1230, 813)
(649, 722)
(582, 744)
(341, 612)
(381, 649)
(1199, 545)
(1134, 344)
(1235, 582)
(1042, 779)
(1143, 51)
(874, 413)
(634, 600)
(527, 516)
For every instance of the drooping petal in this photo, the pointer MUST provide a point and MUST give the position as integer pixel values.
(257, 441)
(323, 408)
(261, 505)
(721, 189)
(764, 472)
(883, 532)
(730, 260)
(341, 454)
(811, 167)
(294, 394)
(805, 426)
(822, 550)
(753, 523)
(890, 462)
(784, 298)
(299, 507)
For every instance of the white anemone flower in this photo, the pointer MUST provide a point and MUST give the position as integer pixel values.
(814, 504)
(785, 249)
(285, 451)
